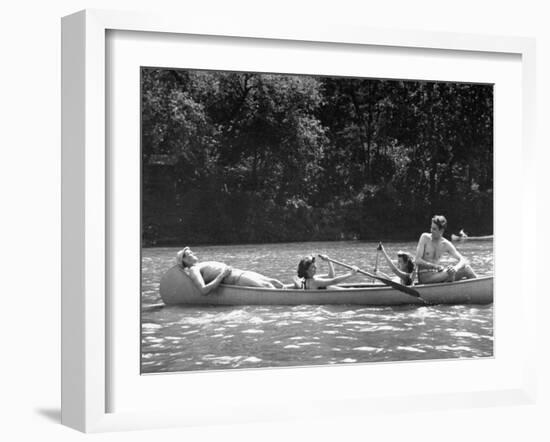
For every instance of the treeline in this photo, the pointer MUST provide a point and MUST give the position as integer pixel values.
(246, 157)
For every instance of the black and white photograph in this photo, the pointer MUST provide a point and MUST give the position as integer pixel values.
(300, 220)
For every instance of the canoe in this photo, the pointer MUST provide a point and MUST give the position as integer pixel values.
(177, 288)
(456, 238)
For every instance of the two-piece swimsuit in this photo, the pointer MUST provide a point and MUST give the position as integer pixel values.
(234, 277)
(305, 288)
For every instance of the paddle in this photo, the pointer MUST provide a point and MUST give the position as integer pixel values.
(377, 255)
(402, 288)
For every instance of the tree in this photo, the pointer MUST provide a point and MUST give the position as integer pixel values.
(258, 157)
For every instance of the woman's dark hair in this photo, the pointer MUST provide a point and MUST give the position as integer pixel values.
(408, 259)
(304, 266)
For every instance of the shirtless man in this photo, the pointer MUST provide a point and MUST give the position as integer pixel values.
(431, 248)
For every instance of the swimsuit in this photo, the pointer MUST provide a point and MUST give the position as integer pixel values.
(429, 271)
(211, 269)
(234, 277)
(305, 288)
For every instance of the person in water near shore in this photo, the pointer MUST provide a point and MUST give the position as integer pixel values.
(462, 236)
(405, 268)
(208, 275)
(431, 247)
(307, 271)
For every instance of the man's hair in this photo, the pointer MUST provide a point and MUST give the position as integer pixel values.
(440, 221)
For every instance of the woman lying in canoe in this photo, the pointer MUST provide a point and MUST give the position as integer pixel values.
(405, 268)
(307, 271)
(210, 274)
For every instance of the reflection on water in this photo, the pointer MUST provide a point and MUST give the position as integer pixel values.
(204, 338)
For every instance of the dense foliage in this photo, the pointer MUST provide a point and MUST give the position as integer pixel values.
(245, 157)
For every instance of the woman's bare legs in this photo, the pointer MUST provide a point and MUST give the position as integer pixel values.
(253, 279)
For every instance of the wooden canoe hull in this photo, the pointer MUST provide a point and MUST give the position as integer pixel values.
(174, 290)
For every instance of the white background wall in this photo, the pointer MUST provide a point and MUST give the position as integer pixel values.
(30, 215)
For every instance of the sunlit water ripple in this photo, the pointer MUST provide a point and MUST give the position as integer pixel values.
(204, 338)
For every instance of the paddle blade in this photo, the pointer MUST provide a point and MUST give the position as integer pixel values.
(403, 288)
(395, 285)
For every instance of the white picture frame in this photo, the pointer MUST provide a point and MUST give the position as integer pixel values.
(86, 211)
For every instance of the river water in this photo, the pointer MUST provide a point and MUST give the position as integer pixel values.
(178, 338)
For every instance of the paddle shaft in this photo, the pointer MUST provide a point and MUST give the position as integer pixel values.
(347, 266)
(376, 265)
(396, 285)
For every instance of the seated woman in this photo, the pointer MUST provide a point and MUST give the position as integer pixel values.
(307, 270)
(210, 274)
(405, 269)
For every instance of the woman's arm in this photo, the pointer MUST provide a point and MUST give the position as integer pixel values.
(414, 275)
(394, 269)
(323, 282)
(196, 277)
(451, 250)
(331, 273)
(383, 275)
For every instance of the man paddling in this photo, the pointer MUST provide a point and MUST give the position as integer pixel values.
(431, 247)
